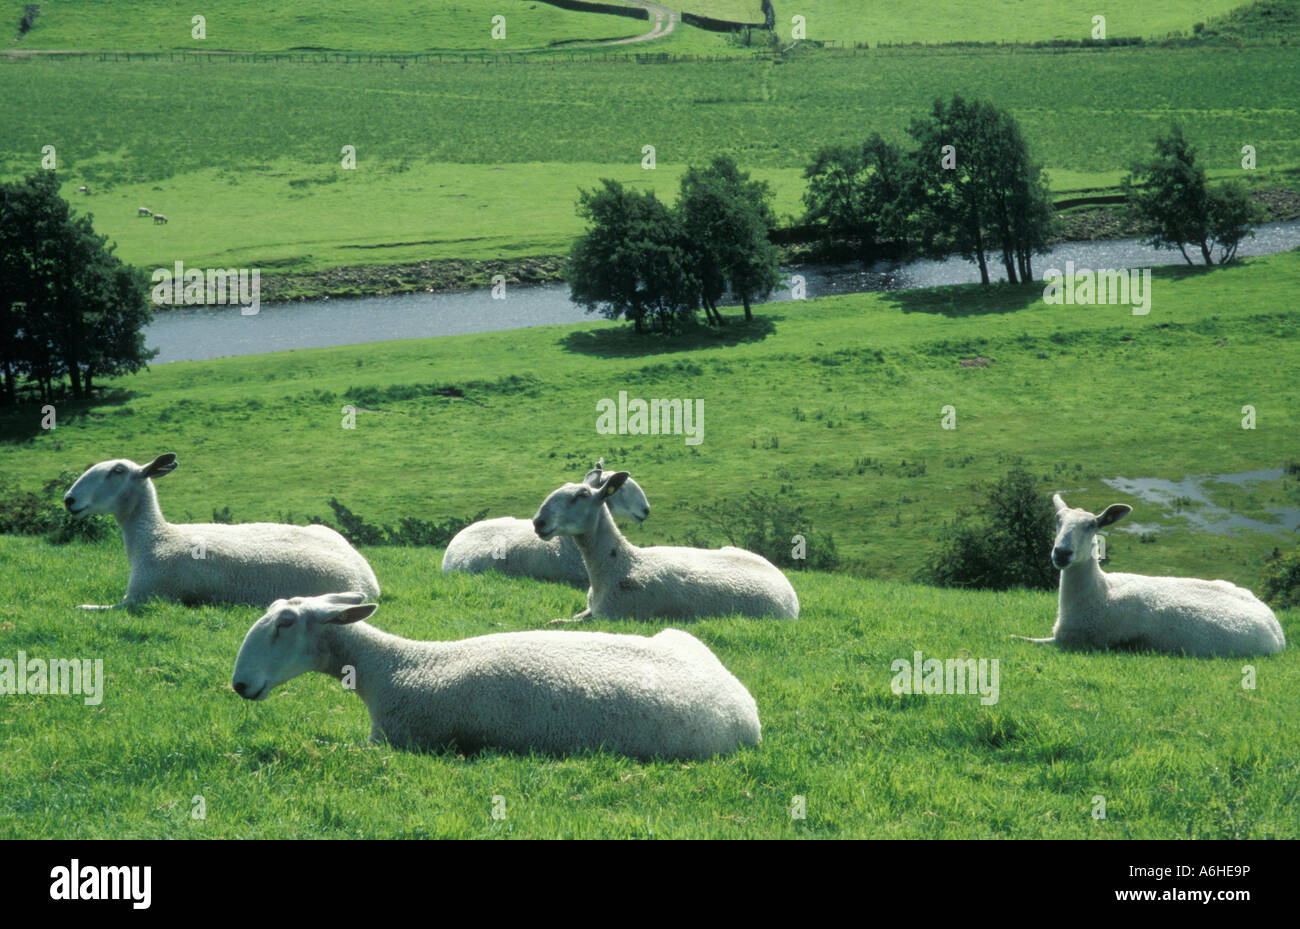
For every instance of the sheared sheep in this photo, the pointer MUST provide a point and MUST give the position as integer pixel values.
(510, 545)
(197, 562)
(1178, 615)
(555, 692)
(661, 581)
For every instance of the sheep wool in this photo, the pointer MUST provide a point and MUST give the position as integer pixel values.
(1176, 615)
(659, 581)
(250, 563)
(557, 692)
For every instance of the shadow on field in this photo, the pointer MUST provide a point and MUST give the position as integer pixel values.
(624, 342)
(966, 299)
(23, 422)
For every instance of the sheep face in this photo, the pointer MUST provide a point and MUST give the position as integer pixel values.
(630, 502)
(107, 486)
(1075, 529)
(574, 509)
(285, 642)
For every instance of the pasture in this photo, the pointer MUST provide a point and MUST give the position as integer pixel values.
(468, 161)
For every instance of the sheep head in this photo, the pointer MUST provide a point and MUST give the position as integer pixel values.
(574, 509)
(285, 641)
(107, 486)
(1075, 529)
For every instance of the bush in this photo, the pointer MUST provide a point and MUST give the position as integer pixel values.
(29, 17)
(767, 525)
(409, 531)
(1009, 545)
(1282, 579)
(27, 512)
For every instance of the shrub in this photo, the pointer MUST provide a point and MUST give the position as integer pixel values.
(409, 531)
(1008, 545)
(1282, 579)
(27, 512)
(767, 525)
(29, 17)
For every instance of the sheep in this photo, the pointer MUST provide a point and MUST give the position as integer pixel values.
(510, 545)
(556, 692)
(662, 581)
(143, 211)
(1160, 614)
(197, 562)
(159, 218)
(83, 189)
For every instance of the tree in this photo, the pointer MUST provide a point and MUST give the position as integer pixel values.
(632, 261)
(974, 187)
(71, 307)
(833, 196)
(727, 219)
(1170, 197)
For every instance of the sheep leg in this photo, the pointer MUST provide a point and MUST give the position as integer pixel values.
(1024, 638)
(576, 618)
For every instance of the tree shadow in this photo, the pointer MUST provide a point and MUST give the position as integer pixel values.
(23, 422)
(961, 300)
(624, 342)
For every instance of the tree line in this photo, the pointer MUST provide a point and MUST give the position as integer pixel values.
(69, 307)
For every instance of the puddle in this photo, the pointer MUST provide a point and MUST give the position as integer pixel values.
(1205, 515)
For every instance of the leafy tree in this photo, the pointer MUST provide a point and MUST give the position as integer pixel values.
(993, 197)
(632, 261)
(833, 196)
(1008, 545)
(1170, 196)
(726, 219)
(70, 306)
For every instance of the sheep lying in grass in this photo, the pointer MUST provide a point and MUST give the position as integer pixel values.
(661, 581)
(1161, 614)
(555, 692)
(510, 545)
(196, 562)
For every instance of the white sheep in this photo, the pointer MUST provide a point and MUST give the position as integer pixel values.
(197, 562)
(1161, 614)
(554, 692)
(143, 211)
(510, 545)
(159, 218)
(660, 581)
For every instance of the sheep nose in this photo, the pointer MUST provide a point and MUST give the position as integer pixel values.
(240, 688)
(1061, 556)
(538, 524)
(69, 501)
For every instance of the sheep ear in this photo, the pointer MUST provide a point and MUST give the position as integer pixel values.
(1058, 502)
(613, 483)
(1113, 514)
(352, 614)
(163, 464)
(351, 596)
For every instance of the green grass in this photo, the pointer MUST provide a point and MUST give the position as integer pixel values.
(258, 178)
(424, 25)
(1176, 746)
(359, 25)
(837, 401)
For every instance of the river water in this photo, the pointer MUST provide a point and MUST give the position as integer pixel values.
(198, 333)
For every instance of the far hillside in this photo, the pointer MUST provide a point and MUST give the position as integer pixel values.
(411, 26)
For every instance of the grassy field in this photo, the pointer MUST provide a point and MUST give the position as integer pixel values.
(1176, 746)
(422, 25)
(834, 403)
(473, 161)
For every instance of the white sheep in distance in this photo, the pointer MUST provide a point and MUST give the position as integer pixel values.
(143, 211)
(510, 545)
(554, 692)
(1178, 615)
(204, 562)
(159, 218)
(659, 581)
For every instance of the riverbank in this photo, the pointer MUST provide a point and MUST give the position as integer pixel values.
(1083, 224)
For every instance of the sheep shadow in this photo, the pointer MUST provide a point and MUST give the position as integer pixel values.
(625, 342)
(23, 422)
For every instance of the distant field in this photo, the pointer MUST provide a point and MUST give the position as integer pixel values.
(358, 25)
(426, 25)
(259, 179)
(967, 20)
